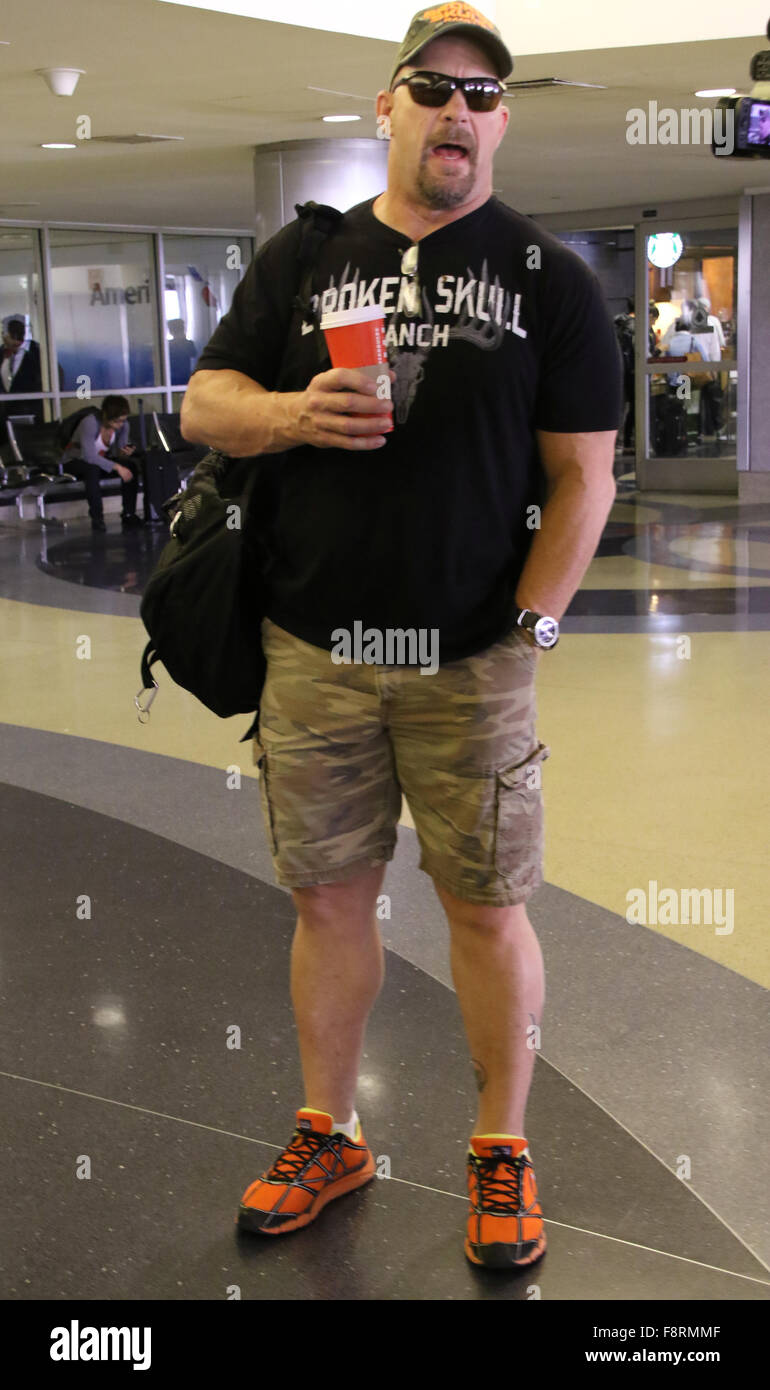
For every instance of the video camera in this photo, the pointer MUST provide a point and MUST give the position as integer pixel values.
(746, 118)
(699, 319)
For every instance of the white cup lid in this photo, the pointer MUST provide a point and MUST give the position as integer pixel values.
(351, 316)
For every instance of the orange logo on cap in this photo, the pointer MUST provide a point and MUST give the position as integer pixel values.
(454, 11)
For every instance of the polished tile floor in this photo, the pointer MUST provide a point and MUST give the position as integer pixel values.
(654, 1053)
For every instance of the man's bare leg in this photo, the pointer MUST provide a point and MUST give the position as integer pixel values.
(337, 970)
(497, 967)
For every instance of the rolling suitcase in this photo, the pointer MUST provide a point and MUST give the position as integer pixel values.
(670, 437)
(161, 482)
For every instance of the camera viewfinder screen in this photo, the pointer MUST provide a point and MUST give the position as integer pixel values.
(759, 124)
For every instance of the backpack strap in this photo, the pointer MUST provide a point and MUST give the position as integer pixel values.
(319, 222)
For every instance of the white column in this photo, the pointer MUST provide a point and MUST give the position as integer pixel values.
(339, 172)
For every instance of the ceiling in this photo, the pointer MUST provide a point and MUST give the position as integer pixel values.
(226, 84)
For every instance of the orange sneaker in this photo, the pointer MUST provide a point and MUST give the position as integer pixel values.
(505, 1222)
(315, 1167)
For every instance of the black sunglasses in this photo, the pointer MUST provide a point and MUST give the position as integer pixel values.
(436, 89)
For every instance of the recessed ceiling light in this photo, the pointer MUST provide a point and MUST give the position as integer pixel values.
(332, 119)
(716, 92)
(57, 145)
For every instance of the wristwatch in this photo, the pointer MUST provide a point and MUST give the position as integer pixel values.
(541, 630)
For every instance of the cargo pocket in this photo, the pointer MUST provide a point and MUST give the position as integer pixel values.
(519, 814)
(260, 761)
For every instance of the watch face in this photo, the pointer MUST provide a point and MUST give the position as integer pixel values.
(546, 632)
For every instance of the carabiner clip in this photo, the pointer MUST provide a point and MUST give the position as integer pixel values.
(144, 710)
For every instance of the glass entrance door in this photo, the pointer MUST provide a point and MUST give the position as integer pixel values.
(686, 367)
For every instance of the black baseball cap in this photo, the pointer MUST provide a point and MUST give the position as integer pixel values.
(454, 17)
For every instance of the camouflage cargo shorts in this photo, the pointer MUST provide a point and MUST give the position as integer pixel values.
(338, 745)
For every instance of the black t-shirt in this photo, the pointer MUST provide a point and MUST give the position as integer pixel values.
(431, 530)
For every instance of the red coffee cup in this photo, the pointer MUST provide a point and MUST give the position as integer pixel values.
(356, 338)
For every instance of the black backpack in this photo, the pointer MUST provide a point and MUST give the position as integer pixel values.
(205, 600)
(67, 427)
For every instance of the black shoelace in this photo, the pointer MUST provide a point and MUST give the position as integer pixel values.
(303, 1147)
(499, 1195)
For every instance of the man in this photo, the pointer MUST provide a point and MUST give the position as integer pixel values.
(506, 387)
(625, 324)
(711, 391)
(182, 353)
(653, 332)
(100, 448)
(20, 369)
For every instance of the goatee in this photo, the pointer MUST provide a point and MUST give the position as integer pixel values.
(441, 195)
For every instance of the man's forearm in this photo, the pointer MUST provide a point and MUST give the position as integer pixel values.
(229, 411)
(572, 523)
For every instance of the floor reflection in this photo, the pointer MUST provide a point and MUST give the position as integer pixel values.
(121, 561)
(651, 536)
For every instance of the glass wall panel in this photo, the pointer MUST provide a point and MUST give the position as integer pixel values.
(104, 309)
(706, 271)
(693, 416)
(24, 361)
(201, 275)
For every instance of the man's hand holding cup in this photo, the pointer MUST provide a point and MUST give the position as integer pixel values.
(350, 406)
(342, 409)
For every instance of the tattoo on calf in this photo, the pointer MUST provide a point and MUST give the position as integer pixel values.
(481, 1075)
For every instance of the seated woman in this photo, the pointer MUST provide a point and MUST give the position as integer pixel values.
(99, 448)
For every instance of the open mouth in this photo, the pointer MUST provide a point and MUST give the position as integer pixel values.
(450, 152)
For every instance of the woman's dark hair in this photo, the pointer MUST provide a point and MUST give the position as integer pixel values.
(112, 407)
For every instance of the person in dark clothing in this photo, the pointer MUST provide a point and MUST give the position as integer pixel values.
(653, 349)
(410, 515)
(505, 385)
(100, 448)
(20, 370)
(182, 353)
(624, 328)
